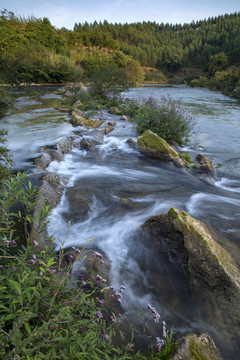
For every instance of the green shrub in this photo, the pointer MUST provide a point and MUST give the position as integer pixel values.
(166, 118)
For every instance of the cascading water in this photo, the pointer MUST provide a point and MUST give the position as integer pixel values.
(113, 189)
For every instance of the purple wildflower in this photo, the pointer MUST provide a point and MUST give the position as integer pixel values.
(164, 329)
(107, 338)
(113, 319)
(160, 343)
(156, 315)
(97, 254)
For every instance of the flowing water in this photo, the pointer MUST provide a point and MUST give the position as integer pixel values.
(113, 189)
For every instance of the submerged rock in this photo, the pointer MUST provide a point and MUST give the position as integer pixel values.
(131, 142)
(108, 129)
(205, 164)
(191, 244)
(85, 144)
(193, 347)
(112, 123)
(153, 145)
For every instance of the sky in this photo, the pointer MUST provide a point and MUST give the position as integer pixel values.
(64, 13)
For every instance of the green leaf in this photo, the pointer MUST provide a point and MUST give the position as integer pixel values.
(50, 262)
(3, 307)
(16, 286)
(28, 328)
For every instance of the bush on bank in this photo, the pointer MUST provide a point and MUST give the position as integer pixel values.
(167, 118)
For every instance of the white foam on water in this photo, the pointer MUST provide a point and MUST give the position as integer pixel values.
(229, 185)
(198, 203)
(112, 143)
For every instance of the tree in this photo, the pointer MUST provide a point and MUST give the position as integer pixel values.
(217, 62)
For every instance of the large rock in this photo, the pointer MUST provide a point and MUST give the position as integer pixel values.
(78, 120)
(193, 347)
(77, 112)
(64, 146)
(50, 192)
(153, 145)
(205, 164)
(43, 161)
(191, 244)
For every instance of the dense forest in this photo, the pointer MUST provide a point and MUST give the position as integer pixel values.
(205, 52)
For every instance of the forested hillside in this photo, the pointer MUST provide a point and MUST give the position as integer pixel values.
(209, 50)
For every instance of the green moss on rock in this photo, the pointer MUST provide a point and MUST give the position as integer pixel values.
(192, 347)
(153, 144)
(78, 120)
(207, 258)
(115, 111)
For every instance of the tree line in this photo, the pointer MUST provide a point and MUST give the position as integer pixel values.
(33, 50)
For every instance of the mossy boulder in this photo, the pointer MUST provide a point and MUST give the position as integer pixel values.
(191, 243)
(205, 164)
(62, 108)
(153, 145)
(193, 347)
(77, 112)
(115, 111)
(78, 120)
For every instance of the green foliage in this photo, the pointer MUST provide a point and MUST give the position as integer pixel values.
(167, 119)
(187, 158)
(218, 62)
(6, 161)
(108, 80)
(5, 99)
(32, 50)
(226, 81)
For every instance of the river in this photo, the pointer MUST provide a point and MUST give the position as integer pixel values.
(113, 189)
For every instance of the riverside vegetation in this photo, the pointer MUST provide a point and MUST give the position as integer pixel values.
(202, 53)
